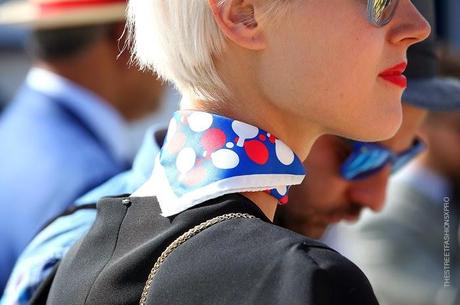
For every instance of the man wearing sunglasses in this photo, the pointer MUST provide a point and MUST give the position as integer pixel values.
(346, 176)
(418, 229)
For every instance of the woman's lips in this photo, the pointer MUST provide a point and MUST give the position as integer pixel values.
(395, 75)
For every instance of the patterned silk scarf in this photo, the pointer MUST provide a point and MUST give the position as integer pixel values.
(205, 156)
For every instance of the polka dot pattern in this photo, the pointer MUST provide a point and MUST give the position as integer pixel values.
(225, 159)
(244, 131)
(256, 151)
(185, 160)
(200, 121)
(202, 149)
(284, 153)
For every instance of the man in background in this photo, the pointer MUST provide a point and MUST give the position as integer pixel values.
(410, 251)
(346, 177)
(65, 131)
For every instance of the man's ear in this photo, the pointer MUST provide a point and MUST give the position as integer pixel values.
(237, 20)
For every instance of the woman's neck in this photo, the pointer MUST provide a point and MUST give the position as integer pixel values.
(298, 134)
(265, 202)
(299, 137)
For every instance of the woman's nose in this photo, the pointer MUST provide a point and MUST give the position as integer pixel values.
(408, 25)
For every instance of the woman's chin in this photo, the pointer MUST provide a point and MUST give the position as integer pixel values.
(375, 130)
(386, 132)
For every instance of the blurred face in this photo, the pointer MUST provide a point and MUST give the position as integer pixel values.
(326, 63)
(325, 197)
(137, 93)
(143, 92)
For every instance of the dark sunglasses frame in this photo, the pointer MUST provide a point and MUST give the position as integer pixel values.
(372, 14)
(375, 157)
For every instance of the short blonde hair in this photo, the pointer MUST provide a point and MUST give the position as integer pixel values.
(179, 39)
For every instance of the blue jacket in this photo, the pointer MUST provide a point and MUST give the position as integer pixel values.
(53, 150)
(51, 244)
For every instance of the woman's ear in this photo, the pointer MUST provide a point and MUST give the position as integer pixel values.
(237, 20)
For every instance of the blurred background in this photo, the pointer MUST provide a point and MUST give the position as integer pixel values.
(448, 21)
(70, 105)
(15, 62)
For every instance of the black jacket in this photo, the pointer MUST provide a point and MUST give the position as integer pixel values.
(239, 261)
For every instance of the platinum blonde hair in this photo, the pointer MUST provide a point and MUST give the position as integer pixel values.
(179, 39)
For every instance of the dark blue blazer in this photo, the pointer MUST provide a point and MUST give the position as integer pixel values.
(49, 156)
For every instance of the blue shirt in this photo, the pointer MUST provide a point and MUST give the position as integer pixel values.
(58, 141)
(51, 244)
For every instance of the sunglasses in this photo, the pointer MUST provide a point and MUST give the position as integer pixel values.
(366, 159)
(380, 12)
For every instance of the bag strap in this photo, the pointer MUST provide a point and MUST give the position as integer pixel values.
(182, 239)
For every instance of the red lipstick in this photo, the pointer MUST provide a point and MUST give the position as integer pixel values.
(395, 75)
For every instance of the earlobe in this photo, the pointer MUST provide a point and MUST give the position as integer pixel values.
(237, 20)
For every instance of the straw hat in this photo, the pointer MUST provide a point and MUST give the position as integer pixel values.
(48, 14)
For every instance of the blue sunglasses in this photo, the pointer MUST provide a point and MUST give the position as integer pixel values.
(380, 12)
(368, 158)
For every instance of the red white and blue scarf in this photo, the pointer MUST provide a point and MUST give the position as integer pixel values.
(205, 156)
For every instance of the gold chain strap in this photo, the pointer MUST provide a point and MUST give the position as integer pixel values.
(182, 239)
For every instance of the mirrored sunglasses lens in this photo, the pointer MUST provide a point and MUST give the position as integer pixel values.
(363, 163)
(400, 163)
(382, 11)
(403, 159)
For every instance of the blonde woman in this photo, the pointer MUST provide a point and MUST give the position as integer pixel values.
(261, 81)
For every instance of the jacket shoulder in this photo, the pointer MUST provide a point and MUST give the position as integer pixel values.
(335, 278)
(249, 261)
